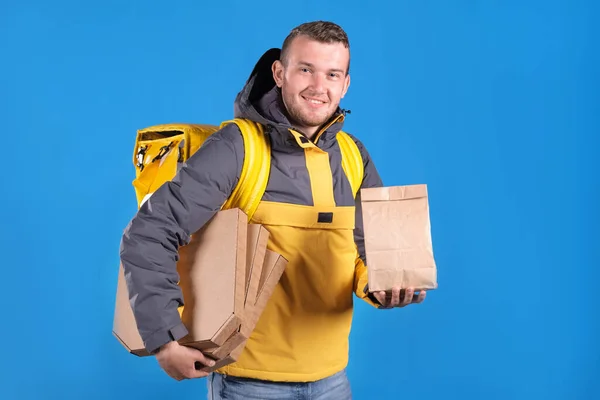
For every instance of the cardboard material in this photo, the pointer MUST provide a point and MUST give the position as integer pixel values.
(212, 269)
(227, 276)
(258, 238)
(124, 325)
(273, 268)
(397, 234)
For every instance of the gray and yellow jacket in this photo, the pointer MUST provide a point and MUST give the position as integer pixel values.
(302, 334)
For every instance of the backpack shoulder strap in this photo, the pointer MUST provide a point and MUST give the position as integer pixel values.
(255, 169)
(352, 162)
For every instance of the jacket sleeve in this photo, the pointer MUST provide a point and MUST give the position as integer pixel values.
(371, 179)
(150, 243)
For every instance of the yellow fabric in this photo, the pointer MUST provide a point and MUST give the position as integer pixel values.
(255, 169)
(319, 171)
(159, 148)
(305, 216)
(361, 280)
(354, 169)
(302, 334)
(150, 175)
(152, 166)
(339, 118)
(352, 162)
(321, 181)
(194, 135)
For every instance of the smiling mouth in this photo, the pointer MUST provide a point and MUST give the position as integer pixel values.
(314, 102)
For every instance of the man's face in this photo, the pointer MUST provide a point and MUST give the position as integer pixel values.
(313, 81)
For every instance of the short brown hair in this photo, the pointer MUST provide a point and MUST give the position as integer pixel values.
(321, 31)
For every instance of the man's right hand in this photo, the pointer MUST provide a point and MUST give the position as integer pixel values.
(179, 361)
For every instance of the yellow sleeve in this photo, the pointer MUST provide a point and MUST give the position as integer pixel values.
(361, 282)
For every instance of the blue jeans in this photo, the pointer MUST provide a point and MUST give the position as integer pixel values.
(335, 387)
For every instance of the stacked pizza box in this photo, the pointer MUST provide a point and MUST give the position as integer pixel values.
(227, 275)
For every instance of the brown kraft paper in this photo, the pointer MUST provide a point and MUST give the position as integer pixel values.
(258, 238)
(398, 244)
(212, 270)
(272, 270)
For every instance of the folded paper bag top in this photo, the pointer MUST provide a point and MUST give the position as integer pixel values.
(397, 232)
(393, 193)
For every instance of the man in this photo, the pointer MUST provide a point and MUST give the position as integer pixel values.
(299, 348)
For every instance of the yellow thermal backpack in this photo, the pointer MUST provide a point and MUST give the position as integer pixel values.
(160, 149)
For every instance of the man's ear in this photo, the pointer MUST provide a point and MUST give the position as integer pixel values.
(346, 85)
(277, 68)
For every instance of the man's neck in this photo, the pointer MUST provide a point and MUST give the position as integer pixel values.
(309, 132)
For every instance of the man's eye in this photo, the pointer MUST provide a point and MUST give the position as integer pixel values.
(304, 69)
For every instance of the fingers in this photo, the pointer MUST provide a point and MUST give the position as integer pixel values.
(380, 296)
(199, 362)
(179, 362)
(399, 297)
(395, 297)
(421, 297)
(182, 373)
(196, 369)
(201, 368)
(200, 371)
(202, 359)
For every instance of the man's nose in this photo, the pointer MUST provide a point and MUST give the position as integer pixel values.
(318, 83)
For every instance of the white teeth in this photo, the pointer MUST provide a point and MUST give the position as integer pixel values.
(315, 101)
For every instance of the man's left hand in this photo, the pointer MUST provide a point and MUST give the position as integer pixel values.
(399, 297)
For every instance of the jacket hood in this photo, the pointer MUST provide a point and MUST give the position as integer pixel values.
(260, 99)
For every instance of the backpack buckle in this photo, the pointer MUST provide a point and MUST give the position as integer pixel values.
(140, 157)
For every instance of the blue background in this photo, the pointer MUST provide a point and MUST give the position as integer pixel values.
(493, 104)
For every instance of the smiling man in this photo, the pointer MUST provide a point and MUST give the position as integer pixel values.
(299, 348)
(313, 76)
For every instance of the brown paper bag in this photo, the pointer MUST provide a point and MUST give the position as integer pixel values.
(270, 273)
(227, 275)
(397, 233)
(212, 270)
(258, 237)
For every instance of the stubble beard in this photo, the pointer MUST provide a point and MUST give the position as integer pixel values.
(301, 117)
